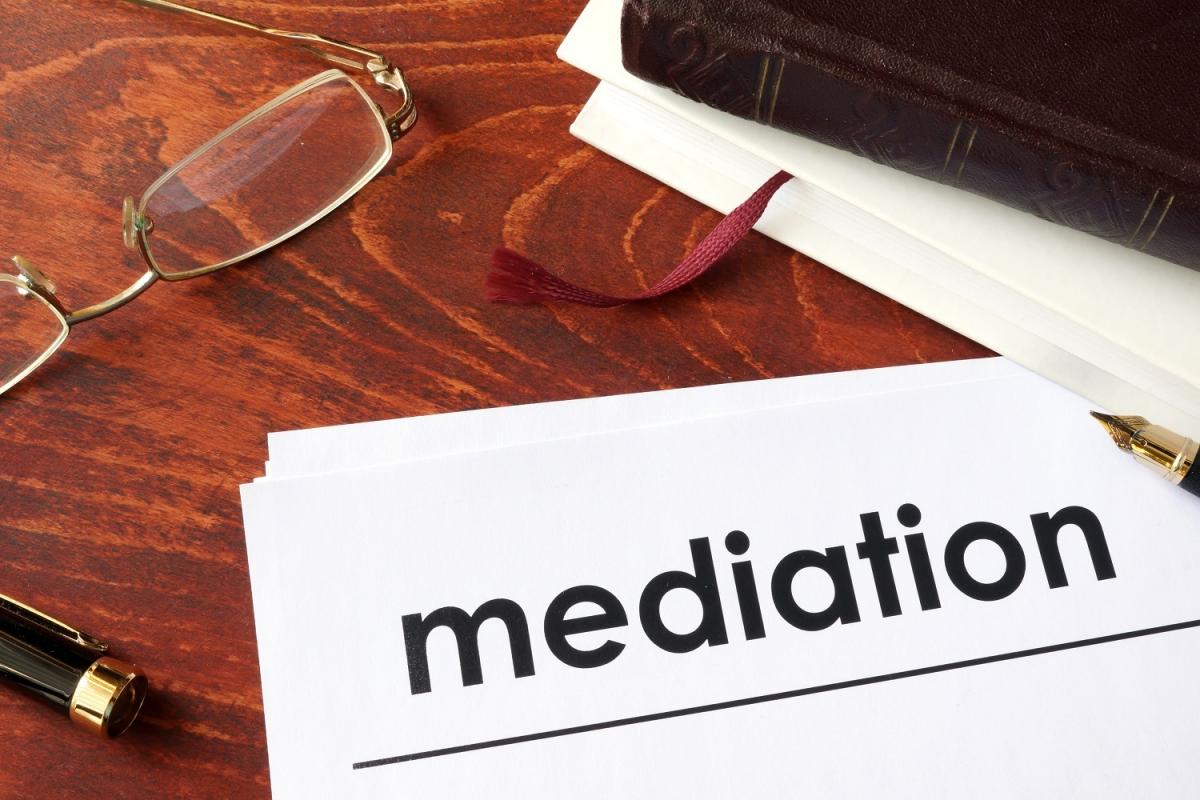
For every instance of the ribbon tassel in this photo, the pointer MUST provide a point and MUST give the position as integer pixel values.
(515, 279)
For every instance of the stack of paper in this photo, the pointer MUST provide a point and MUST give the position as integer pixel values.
(928, 581)
(1101, 319)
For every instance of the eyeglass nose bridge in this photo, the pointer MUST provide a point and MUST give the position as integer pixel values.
(135, 229)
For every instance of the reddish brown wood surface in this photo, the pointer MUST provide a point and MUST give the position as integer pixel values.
(120, 460)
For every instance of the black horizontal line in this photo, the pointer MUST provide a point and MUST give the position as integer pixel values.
(768, 698)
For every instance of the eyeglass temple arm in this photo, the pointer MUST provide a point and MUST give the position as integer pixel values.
(341, 53)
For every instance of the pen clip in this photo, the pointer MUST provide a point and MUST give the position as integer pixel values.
(48, 623)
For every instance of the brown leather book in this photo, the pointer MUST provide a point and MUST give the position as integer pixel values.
(1083, 112)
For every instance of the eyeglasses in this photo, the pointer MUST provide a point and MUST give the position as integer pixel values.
(266, 178)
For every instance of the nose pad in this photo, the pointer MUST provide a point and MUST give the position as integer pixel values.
(132, 222)
(129, 223)
(33, 276)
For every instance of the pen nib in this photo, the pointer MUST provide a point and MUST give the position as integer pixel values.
(1121, 429)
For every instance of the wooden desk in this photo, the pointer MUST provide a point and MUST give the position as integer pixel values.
(120, 460)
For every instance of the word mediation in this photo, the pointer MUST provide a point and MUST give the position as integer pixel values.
(875, 548)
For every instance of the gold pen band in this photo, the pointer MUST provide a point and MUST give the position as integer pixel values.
(1186, 462)
(108, 697)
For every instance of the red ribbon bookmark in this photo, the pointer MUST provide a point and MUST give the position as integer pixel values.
(515, 279)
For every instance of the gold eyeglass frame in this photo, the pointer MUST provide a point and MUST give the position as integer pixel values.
(137, 227)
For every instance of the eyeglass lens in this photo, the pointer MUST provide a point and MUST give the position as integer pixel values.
(30, 330)
(263, 180)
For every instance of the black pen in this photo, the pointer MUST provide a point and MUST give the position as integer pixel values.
(69, 669)
(1171, 455)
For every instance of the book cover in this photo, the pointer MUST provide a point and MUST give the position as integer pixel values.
(1080, 113)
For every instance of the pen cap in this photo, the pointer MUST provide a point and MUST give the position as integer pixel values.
(108, 697)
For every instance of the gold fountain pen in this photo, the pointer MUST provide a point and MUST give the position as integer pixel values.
(1169, 454)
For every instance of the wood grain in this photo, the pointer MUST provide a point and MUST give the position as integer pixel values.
(120, 459)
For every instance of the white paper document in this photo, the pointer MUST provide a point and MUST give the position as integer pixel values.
(960, 590)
